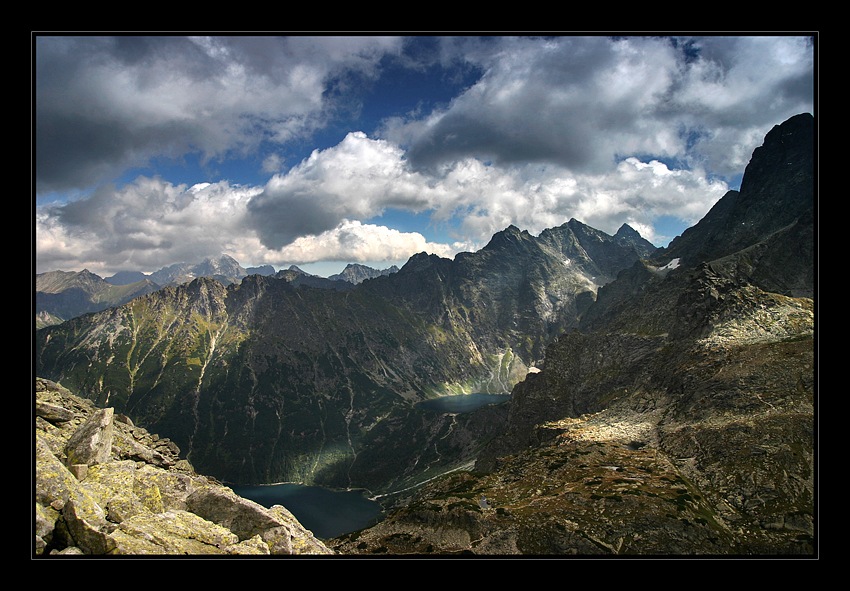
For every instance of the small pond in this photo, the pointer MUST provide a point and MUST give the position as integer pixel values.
(462, 403)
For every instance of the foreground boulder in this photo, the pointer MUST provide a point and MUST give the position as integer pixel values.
(104, 486)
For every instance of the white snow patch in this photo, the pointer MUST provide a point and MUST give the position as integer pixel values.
(671, 265)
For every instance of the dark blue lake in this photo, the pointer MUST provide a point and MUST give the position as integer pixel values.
(330, 513)
(327, 513)
(462, 403)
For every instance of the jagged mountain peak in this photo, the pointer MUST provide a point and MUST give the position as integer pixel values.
(626, 231)
(297, 269)
(222, 265)
(56, 281)
(777, 188)
(358, 273)
(419, 261)
(628, 235)
(788, 144)
(224, 268)
(509, 236)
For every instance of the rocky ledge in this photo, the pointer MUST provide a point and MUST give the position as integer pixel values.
(104, 486)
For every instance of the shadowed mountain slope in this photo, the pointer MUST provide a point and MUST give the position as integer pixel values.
(279, 378)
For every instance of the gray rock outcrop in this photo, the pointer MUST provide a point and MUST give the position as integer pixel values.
(104, 486)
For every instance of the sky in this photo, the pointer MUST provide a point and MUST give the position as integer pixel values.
(323, 150)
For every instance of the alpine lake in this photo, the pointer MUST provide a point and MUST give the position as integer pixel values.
(329, 513)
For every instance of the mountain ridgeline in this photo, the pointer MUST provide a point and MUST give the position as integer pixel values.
(272, 380)
(356, 273)
(62, 295)
(669, 410)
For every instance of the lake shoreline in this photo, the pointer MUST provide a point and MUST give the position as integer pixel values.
(332, 512)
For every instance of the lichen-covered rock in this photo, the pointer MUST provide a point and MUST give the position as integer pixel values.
(52, 413)
(243, 517)
(88, 527)
(92, 443)
(303, 541)
(171, 532)
(107, 487)
(255, 545)
(121, 491)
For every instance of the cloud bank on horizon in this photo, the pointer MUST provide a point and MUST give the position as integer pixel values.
(308, 149)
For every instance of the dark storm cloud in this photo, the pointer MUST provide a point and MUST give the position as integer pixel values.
(86, 127)
(280, 220)
(586, 103)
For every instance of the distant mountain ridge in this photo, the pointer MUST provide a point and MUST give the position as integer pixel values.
(61, 295)
(224, 268)
(357, 273)
(126, 277)
(297, 277)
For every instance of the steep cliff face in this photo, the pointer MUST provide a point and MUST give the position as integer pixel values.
(776, 190)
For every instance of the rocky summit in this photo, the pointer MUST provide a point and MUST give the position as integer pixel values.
(106, 487)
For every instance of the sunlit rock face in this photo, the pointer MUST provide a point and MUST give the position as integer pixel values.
(104, 486)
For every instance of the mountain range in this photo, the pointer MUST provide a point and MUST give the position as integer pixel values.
(62, 295)
(356, 273)
(303, 377)
(661, 399)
